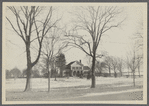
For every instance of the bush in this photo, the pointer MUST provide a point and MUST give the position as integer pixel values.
(105, 74)
(45, 75)
(15, 73)
(115, 74)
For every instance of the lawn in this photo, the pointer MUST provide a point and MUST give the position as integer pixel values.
(75, 89)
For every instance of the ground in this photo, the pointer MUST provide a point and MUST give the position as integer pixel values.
(75, 89)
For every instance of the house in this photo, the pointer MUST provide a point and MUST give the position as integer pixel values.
(76, 68)
(86, 68)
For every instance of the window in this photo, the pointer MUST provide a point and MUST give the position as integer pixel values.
(76, 67)
(80, 67)
(73, 67)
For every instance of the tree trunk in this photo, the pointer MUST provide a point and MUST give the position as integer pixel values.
(61, 72)
(55, 74)
(109, 72)
(115, 74)
(93, 71)
(134, 78)
(139, 71)
(29, 66)
(48, 81)
(28, 86)
(128, 71)
(121, 73)
(48, 74)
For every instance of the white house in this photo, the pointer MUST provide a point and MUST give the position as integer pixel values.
(76, 68)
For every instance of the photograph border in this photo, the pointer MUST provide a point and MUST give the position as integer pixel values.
(74, 102)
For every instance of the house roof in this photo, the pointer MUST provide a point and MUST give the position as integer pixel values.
(68, 65)
(79, 63)
(86, 68)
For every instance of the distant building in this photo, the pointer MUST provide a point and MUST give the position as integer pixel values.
(76, 68)
(86, 68)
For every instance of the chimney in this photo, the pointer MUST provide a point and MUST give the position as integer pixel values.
(80, 61)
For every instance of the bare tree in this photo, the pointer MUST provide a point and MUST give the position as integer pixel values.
(98, 68)
(96, 21)
(138, 36)
(120, 65)
(52, 46)
(108, 61)
(138, 45)
(30, 28)
(127, 65)
(114, 63)
(139, 39)
(134, 61)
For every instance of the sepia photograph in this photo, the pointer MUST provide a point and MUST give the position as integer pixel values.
(78, 53)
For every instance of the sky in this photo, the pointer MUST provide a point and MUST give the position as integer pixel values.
(117, 42)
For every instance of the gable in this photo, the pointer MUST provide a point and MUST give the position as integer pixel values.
(76, 64)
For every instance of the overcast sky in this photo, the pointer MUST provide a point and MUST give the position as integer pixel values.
(117, 42)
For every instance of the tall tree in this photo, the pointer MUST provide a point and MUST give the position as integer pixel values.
(30, 27)
(61, 62)
(139, 39)
(98, 68)
(120, 65)
(52, 46)
(138, 36)
(134, 60)
(114, 65)
(108, 61)
(96, 21)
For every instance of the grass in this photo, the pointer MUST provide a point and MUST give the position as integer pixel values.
(65, 93)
